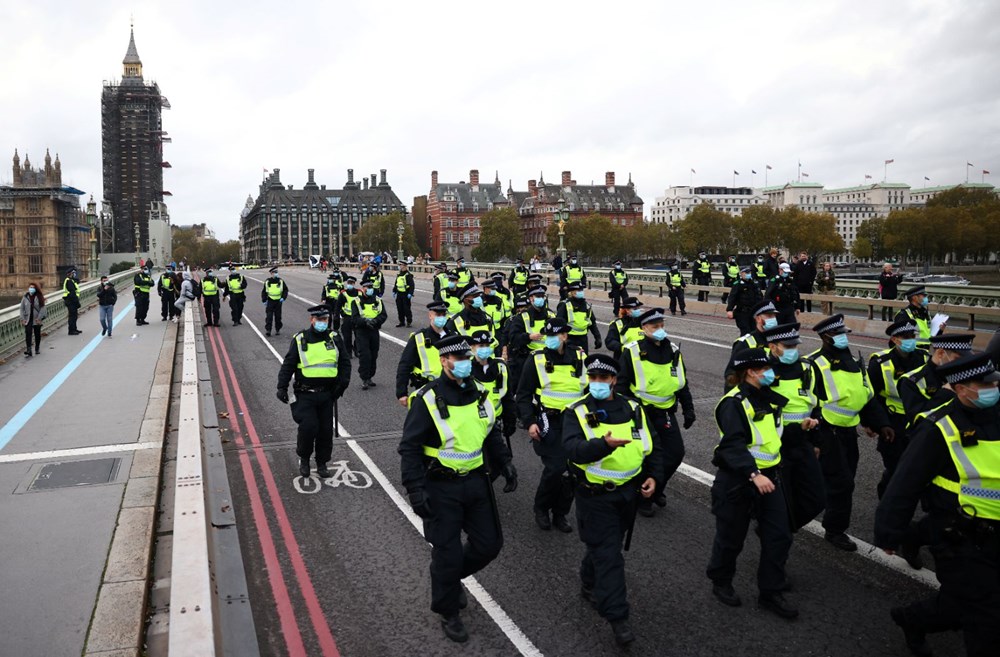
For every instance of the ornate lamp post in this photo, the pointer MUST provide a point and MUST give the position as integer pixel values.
(92, 220)
(563, 215)
(399, 234)
(137, 243)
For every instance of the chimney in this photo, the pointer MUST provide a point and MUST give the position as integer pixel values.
(474, 177)
(609, 179)
(312, 180)
(373, 181)
(350, 176)
(366, 182)
(533, 188)
(567, 178)
(382, 182)
(434, 179)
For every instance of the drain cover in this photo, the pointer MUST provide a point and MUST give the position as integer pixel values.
(75, 473)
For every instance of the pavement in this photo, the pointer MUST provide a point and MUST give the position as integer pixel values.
(80, 431)
(342, 568)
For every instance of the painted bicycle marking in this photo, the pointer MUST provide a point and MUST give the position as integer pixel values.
(341, 474)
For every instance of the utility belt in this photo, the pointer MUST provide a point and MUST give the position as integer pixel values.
(418, 381)
(299, 389)
(593, 490)
(982, 533)
(438, 472)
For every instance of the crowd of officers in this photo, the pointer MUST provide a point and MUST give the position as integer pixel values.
(608, 432)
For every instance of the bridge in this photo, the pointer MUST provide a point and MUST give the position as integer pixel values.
(152, 506)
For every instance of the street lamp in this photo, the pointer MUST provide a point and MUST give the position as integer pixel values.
(136, 242)
(399, 233)
(563, 215)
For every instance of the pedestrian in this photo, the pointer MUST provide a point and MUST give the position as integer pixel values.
(557, 263)
(730, 276)
(167, 289)
(367, 316)
(652, 371)
(804, 273)
(615, 461)
(71, 299)
(675, 289)
(571, 272)
(518, 279)
(771, 266)
(33, 312)
(701, 274)
(235, 289)
(420, 362)
(917, 312)
(536, 265)
(552, 379)
(618, 278)
(318, 361)
(273, 296)
(450, 446)
(783, 293)
(186, 293)
(402, 291)
(142, 283)
(743, 296)
(951, 467)
(626, 328)
(107, 297)
(888, 288)
(826, 283)
(579, 314)
(747, 485)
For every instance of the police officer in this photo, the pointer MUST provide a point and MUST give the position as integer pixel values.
(626, 328)
(618, 278)
(501, 291)
(71, 299)
(730, 275)
(951, 467)
(922, 389)
(784, 294)
(452, 294)
(571, 272)
(450, 445)
(525, 335)
(885, 368)
(701, 274)
(472, 317)
(518, 279)
(846, 399)
(440, 279)
(332, 294)
(142, 283)
(494, 375)
(552, 379)
(615, 459)
(653, 372)
(273, 295)
(236, 287)
(743, 296)
(209, 296)
(464, 274)
(764, 316)
(675, 288)
(497, 308)
(322, 373)
(367, 316)
(402, 290)
(351, 293)
(579, 314)
(374, 274)
(167, 288)
(760, 273)
(917, 313)
(515, 356)
(747, 485)
(420, 363)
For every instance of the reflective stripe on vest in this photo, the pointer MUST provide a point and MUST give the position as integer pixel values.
(317, 360)
(625, 462)
(759, 270)
(331, 292)
(401, 284)
(846, 394)
(579, 321)
(561, 387)
(799, 407)
(923, 327)
(890, 389)
(658, 385)
(348, 308)
(166, 279)
(533, 327)
(65, 290)
(464, 277)
(620, 277)
(705, 267)
(676, 280)
(236, 285)
(498, 388)
(430, 359)
(734, 271)
(469, 329)
(496, 311)
(765, 434)
(369, 310)
(209, 288)
(145, 283)
(978, 468)
(462, 433)
(454, 302)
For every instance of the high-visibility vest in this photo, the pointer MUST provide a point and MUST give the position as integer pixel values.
(923, 327)
(145, 282)
(430, 360)
(442, 280)
(759, 270)
(348, 308)
(461, 429)
(656, 383)
(733, 271)
(562, 386)
(236, 284)
(676, 280)
(623, 463)
(574, 273)
(497, 310)
(368, 310)
(765, 432)
(497, 389)
(333, 291)
(274, 290)
(579, 321)
(468, 329)
(620, 277)
(210, 287)
(401, 283)
(919, 378)
(890, 381)
(704, 266)
(846, 394)
(464, 276)
(317, 360)
(627, 335)
(978, 467)
(535, 326)
(520, 276)
(454, 302)
(377, 281)
(67, 283)
(798, 391)
(166, 282)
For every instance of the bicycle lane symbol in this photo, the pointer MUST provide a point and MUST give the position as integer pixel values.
(341, 474)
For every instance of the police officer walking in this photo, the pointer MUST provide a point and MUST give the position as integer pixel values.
(518, 279)
(420, 363)
(701, 274)
(236, 287)
(494, 375)
(951, 466)
(917, 313)
(552, 379)
(784, 294)
(367, 316)
(525, 335)
(210, 297)
(675, 288)
(760, 273)
(579, 314)
(331, 296)
(497, 308)
(743, 296)
(273, 295)
(626, 328)
(450, 446)
(452, 294)
(502, 292)
(615, 460)
(571, 272)
(764, 316)
(374, 274)
(730, 275)
(440, 279)
(922, 389)
(322, 372)
(347, 315)
(618, 278)
(142, 283)
(402, 291)
(472, 317)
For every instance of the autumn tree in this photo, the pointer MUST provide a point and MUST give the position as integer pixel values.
(812, 232)
(378, 234)
(499, 236)
(705, 229)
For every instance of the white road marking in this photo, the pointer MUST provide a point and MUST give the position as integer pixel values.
(77, 451)
(341, 475)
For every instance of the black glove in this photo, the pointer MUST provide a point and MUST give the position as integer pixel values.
(421, 505)
(509, 428)
(597, 343)
(510, 476)
(688, 420)
(282, 395)
(888, 434)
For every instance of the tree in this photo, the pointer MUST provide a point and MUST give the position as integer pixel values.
(705, 229)
(754, 230)
(124, 265)
(812, 232)
(862, 249)
(871, 234)
(499, 236)
(187, 247)
(593, 237)
(379, 234)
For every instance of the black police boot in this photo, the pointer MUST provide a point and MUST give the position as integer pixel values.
(560, 523)
(911, 552)
(463, 599)
(623, 632)
(726, 594)
(776, 603)
(841, 541)
(364, 384)
(542, 519)
(371, 383)
(454, 629)
(267, 333)
(660, 500)
(322, 470)
(646, 509)
(916, 638)
(304, 467)
(588, 595)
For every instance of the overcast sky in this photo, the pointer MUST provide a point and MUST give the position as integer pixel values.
(653, 88)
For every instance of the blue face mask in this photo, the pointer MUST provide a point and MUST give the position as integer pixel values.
(784, 274)
(321, 326)
(908, 345)
(369, 291)
(580, 294)
(987, 398)
(770, 323)
(451, 285)
(440, 321)
(538, 302)
(841, 341)
(462, 369)
(925, 302)
(483, 353)
(635, 313)
(349, 287)
(659, 335)
(618, 266)
(599, 389)
(767, 378)
(789, 356)
(552, 341)
(477, 302)
(276, 276)
(31, 290)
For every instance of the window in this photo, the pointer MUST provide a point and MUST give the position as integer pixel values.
(34, 264)
(34, 236)
(10, 238)
(10, 265)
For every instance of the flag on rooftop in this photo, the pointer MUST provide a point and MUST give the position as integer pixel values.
(752, 171)
(805, 175)
(693, 171)
(768, 166)
(985, 172)
(735, 172)
(926, 178)
(889, 161)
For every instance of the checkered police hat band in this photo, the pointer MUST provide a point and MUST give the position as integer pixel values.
(461, 347)
(965, 375)
(600, 365)
(951, 346)
(769, 308)
(787, 335)
(905, 328)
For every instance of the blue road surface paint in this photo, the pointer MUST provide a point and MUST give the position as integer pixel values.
(28, 411)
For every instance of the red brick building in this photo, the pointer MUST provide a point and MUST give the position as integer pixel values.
(537, 206)
(454, 211)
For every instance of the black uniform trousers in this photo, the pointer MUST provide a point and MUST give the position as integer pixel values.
(167, 308)
(313, 412)
(272, 315)
(30, 330)
(603, 518)
(367, 342)
(891, 452)
(786, 313)
(236, 301)
(347, 334)
(801, 476)
(744, 321)
(141, 306)
(677, 298)
(668, 434)
(72, 311)
(515, 363)
(703, 280)
(457, 505)
(838, 459)
(617, 296)
(579, 341)
(969, 597)
(735, 501)
(555, 488)
(211, 308)
(403, 308)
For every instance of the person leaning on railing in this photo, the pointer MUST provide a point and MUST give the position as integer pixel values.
(826, 283)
